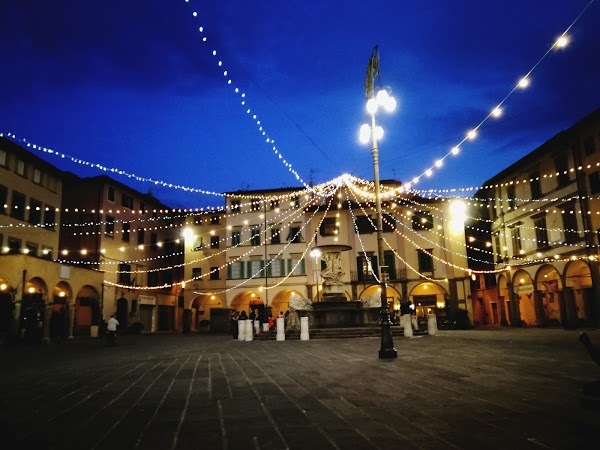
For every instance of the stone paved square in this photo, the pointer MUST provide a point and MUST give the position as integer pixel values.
(460, 389)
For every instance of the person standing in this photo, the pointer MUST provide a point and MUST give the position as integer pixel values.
(234, 324)
(111, 330)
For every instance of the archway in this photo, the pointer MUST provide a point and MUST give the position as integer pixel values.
(549, 288)
(202, 306)
(244, 301)
(86, 305)
(428, 298)
(393, 296)
(7, 293)
(62, 295)
(281, 301)
(523, 288)
(33, 309)
(579, 293)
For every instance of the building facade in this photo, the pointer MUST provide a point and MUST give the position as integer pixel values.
(544, 216)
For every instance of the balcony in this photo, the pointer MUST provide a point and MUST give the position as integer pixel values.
(395, 275)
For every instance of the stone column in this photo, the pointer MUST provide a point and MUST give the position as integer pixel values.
(408, 331)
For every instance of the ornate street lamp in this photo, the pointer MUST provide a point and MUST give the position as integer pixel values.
(373, 133)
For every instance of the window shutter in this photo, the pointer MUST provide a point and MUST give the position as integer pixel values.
(289, 266)
(229, 272)
(359, 268)
(303, 267)
(375, 265)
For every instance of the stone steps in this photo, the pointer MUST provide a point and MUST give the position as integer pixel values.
(337, 333)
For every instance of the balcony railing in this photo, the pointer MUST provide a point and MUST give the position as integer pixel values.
(395, 275)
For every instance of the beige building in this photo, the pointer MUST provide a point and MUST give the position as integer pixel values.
(38, 296)
(259, 250)
(545, 214)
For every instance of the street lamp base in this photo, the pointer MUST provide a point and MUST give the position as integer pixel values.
(387, 350)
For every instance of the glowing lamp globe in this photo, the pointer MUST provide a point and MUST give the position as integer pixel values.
(372, 106)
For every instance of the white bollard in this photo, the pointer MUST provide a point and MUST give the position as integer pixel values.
(280, 329)
(266, 327)
(256, 326)
(413, 321)
(431, 324)
(304, 329)
(249, 331)
(242, 330)
(408, 331)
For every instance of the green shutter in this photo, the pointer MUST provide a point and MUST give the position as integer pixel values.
(359, 268)
(270, 269)
(248, 269)
(289, 266)
(389, 260)
(303, 267)
(229, 272)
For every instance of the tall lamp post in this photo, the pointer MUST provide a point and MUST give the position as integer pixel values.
(372, 133)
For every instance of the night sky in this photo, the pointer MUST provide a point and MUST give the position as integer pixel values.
(131, 84)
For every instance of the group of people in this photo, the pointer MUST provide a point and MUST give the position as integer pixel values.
(257, 317)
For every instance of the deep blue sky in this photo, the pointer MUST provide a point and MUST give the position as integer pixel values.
(130, 84)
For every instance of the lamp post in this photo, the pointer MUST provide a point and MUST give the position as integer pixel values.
(373, 133)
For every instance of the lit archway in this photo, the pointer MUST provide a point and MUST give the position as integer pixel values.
(427, 298)
(579, 298)
(281, 301)
(549, 285)
(87, 303)
(393, 296)
(202, 306)
(523, 287)
(244, 301)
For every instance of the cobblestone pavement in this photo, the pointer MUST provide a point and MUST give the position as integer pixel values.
(460, 389)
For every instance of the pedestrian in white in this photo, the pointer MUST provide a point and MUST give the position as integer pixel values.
(111, 330)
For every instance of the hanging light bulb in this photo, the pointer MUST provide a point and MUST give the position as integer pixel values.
(372, 106)
(378, 132)
(390, 104)
(382, 97)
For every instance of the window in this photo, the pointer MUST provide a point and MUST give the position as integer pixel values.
(3, 158)
(425, 260)
(236, 270)
(492, 206)
(236, 237)
(214, 241)
(541, 233)
(32, 248)
(277, 267)
(329, 227)
(535, 184)
(142, 207)
(126, 227)
(126, 201)
(422, 220)
(561, 163)
(254, 267)
(52, 183)
(364, 225)
(570, 223)
(274, 204)
(141, 236)
(215, 220)
(254, 204)
(389, 223)
(3, 198)
(297, 266)
(594, 179)
(294, 236)
(275, 236)
(296, 201)
(49, 217)
(511, 196)
(196, 273)
(589, 145)
(363, 266)
(109, 226)
(515, 236)
(497, 249)
(17, 209)
(37, 176)
(255, 236)
(110, 196)
(389, 260)
(235, 205)
(35, 212)
(14, 245)
(20, 168)
(214, 273)
(124, 274)
(153, 242)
